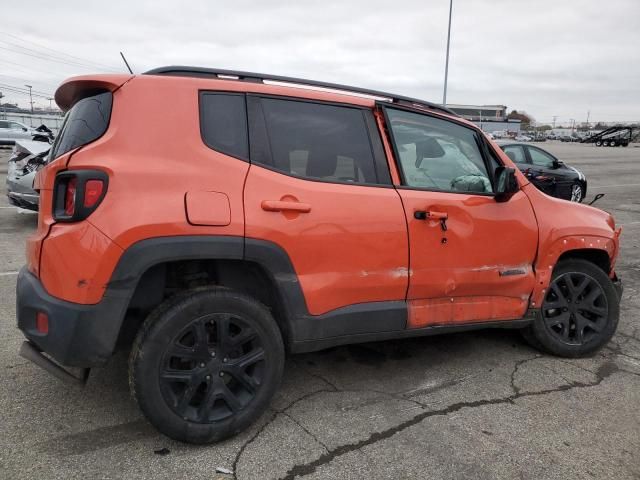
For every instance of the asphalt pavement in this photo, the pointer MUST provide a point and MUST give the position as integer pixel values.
(473, 405)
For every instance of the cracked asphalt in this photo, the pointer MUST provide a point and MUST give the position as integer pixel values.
(473, 405)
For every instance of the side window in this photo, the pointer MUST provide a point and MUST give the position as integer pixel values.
(540, 158)
(317, 141)
(4, 124)
(515, 153)
(15, 126)
(223, 123)
(437, 154)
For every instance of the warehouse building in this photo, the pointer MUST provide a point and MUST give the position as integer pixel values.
(490, 118)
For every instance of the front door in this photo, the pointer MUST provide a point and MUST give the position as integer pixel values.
(470, 256)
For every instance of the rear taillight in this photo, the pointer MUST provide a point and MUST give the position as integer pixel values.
(77, 193)
(92, 193)
(70, 197)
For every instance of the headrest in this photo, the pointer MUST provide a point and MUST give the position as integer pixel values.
(427, 148)
(321, 163)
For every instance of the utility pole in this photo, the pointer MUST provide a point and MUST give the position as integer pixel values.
(1, 95)
(30, 97)
(446, 65)
(554, 121)
(50, 107)
(588, 114)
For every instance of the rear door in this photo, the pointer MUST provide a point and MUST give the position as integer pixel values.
(319, 188)
(470, 256)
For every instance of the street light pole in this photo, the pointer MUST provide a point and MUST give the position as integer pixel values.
(446, 65)
(30, 97)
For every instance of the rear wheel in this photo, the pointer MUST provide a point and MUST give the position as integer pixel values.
(206, 364)
(580, 311)
(598, 143)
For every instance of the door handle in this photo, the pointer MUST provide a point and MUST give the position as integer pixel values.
(432, 215)
(285, 206)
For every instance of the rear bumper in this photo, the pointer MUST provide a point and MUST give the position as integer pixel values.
(79, 335)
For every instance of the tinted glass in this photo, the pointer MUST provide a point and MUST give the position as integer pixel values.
(223, 123)
(540, 158)
(87, 121)
(4, 124)
(515, 153)
(437, 154)
(324, 142)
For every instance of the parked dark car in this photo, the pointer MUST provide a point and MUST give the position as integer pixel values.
(547, 172)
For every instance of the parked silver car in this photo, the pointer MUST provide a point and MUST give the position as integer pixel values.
(28, 157)
(11, 131)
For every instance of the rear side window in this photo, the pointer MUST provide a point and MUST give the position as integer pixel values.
(223, 123)
(317, 141)
(87, 121)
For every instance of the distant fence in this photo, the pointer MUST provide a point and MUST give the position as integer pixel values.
(54, 122)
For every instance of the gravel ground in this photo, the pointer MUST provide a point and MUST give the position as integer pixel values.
(472, 405)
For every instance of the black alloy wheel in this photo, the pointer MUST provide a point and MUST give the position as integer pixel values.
(213, 368)
(206, 363)
(575, 308)
(579, 313)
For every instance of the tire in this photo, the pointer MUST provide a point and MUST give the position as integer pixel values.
(612, 143)
(565, 329)
(576, 192)
(205, 364)
(598, 143)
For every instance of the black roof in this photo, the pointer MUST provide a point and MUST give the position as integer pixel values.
(185, 71)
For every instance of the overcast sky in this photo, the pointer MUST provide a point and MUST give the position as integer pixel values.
(547, 57)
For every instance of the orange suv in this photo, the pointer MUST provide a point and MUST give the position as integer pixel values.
(210, 221)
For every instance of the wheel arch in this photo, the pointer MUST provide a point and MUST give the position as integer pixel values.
(154, 269)
(599, 250)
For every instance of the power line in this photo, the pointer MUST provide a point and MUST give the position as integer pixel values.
(40, 46)
(54, 60)
(22, 91)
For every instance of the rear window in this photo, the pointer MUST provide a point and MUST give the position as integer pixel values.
(223, 123)
(87, 121)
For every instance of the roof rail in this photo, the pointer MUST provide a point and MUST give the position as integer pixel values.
(184, 71)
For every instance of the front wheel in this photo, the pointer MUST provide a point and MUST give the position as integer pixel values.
(580, 311)
(576, 192)
(205, 364)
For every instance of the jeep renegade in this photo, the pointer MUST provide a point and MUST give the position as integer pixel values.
(209, 221)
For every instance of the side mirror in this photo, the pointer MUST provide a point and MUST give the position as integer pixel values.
(24, 129)
(506, 183)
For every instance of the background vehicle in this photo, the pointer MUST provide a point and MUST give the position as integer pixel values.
(293, 226)
(11, 131)
(523, 138)
(28, 157)
(613, 137)
(546, 172)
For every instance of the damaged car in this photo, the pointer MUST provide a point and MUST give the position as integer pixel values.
(27, 159)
